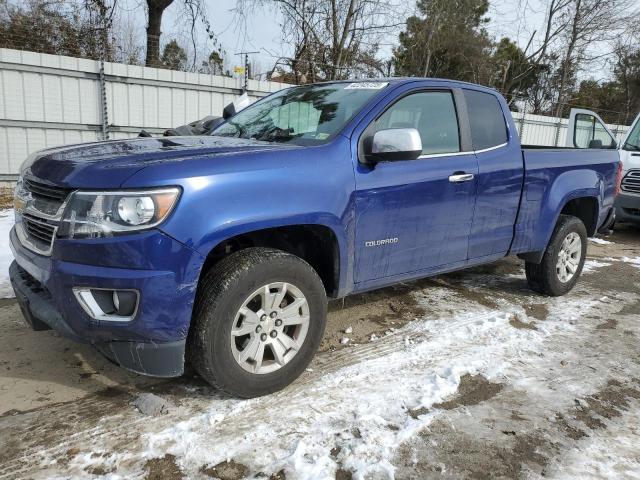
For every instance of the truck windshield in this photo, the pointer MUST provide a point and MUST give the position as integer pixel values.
(305, 115)
(633, 140)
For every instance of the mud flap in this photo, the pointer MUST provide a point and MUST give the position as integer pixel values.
(605, 229)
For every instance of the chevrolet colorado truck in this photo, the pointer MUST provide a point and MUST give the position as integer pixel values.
(220, 251)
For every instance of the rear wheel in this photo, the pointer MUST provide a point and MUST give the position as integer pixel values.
(562, 263)
(258, 320)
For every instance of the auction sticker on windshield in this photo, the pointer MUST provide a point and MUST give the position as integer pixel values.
(366, 85)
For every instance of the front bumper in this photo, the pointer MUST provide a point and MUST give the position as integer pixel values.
(627, 207)
(153, 342)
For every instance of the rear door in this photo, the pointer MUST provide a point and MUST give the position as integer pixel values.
(500, 174)
(414, 215)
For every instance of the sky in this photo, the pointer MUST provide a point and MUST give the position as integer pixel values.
(260, 30)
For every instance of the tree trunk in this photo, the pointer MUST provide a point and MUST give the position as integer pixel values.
(339, 39)
(427, 63)
(155, 8)
(567, 64)
(432, 24)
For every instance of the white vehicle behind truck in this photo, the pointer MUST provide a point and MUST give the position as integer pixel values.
(591, 132)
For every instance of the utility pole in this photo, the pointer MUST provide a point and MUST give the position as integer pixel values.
(246, 69)
(102, 52)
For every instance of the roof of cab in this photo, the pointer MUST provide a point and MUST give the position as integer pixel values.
(400, 80)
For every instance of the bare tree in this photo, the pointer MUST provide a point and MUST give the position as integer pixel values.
(588, 23)
(627, 75)
(332, 38)
(128, 43)
(538, 55)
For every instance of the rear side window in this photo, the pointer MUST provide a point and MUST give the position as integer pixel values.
(488, 128)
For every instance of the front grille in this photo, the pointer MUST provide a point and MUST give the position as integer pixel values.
(39, 206)
(39, 231)
(631, 182)
(46, 198)
(40, 190)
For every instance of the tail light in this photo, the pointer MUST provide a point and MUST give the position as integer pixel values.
(618, 179)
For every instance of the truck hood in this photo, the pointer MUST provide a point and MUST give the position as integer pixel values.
(109, 164)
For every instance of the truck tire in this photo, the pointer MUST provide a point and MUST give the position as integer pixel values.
(258, 320)
(562, 263)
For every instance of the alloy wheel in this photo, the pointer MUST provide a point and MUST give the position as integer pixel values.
(270, 327)
(569, 257)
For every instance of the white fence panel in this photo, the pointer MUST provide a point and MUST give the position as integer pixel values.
(51, 100)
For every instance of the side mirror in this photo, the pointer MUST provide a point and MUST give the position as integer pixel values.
(595, 143)
(393, 144)
(234, 107)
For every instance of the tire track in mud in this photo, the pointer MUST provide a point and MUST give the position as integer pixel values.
(63, 431)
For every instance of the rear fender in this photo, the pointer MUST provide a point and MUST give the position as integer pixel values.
(567, 186)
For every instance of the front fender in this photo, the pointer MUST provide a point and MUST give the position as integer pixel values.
(333, 223)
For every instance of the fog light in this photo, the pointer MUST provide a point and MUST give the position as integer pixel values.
(107, 304)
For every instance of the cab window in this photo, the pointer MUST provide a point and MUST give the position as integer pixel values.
(590, 133)
(486, 119)
(433, 114)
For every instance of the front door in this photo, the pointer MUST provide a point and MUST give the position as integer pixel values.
(414, 215)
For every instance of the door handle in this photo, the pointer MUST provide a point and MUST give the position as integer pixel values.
(461, 177)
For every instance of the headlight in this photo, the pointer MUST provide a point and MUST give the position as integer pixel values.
(104, 214)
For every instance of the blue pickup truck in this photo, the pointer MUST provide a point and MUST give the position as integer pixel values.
(220, 251)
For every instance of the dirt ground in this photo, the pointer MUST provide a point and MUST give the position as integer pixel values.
(63, 405)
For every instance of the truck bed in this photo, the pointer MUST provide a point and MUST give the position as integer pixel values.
(551, 172)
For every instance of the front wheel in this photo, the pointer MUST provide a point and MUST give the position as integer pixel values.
(258, 320)
(562, 263)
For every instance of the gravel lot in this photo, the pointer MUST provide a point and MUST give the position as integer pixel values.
(467, 375)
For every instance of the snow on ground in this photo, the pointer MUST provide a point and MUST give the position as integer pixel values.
(607, 453)
(6, 257)
(600, 241)
(361, 409)
(634, 261)
(592, 265)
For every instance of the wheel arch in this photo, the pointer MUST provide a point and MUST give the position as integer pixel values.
(574, 192)
(316, 243)
(586, 209)
(583, 204)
